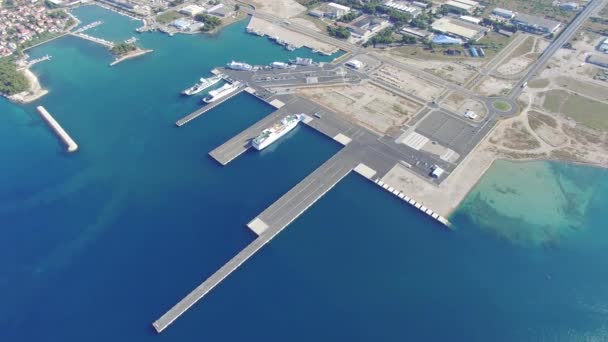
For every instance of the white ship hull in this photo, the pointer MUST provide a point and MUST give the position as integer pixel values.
(205, 83)
(217, 94)
(275, 136)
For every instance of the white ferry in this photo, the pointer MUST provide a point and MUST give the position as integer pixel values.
(272, 134)
(202, 84)
(302, 61)
(222, 91)
(279, 65)
(239, 66)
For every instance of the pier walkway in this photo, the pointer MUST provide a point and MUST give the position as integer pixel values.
(103, 42)
(206, 108)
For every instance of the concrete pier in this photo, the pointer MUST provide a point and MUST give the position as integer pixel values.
(236, 146)
(67, 140)
(205, 109)
(270, 223)
(291, 205)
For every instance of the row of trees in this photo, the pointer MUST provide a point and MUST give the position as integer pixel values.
(11, 80)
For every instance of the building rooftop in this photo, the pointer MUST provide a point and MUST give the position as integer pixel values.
(446, 25)
(537, 21)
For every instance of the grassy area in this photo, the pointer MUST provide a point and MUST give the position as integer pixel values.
(168, 17)
(542, 8)
(494, 42)
(525, 47)
(591, 113)
(538, 83)
(586, 111)
(501, 106)
(554, 100)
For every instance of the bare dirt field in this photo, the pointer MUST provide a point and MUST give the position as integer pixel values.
(453, 70)
(280, 8)
(408, 82)
(492, 86)
(365, 104)
(459, 103)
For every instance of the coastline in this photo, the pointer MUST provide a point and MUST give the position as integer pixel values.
(33, 93)
(130, 55)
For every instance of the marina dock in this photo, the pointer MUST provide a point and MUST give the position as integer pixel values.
(238, 145)
(206, 108)
(63, 135)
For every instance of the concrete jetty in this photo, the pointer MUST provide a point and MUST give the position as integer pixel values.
(270, 223)
(291, 205)
(71, 144)
(206, 108)
(236, 146)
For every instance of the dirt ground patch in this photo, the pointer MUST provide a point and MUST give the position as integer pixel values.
(552, 135)
(492, 86)
(517, 137)
(408, 82)
(280, 8)
(461, 103)
(365, 104)
(452, 70)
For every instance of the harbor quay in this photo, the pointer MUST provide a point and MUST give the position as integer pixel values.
(61, 133)
(363, 151)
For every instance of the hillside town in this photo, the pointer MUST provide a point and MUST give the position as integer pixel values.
(25, 21)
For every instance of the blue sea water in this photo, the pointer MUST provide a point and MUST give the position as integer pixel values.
(96, 245)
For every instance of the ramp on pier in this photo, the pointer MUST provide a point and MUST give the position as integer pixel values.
(236, 146)
(205, 109)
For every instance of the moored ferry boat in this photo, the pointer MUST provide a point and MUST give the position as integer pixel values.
(221, 92)
(202, 84)
(272, 134)
(239, 66)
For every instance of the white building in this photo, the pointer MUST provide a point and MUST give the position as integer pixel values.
(191, 10)
(336, 10)
(501, 12)
(355, 64)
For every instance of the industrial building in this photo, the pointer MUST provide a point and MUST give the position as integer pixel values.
(403, 6)
(604, 46)
(461, 6)
(600, 60)
(501, 12)
(191, 10)
(420, 34)
(458, 29)
(366, 26)
(336, 11)
(534, 24)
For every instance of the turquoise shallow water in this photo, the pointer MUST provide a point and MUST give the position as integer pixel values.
(96, 245)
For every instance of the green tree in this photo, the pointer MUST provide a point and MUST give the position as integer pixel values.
(11, 80)
(123, 48)
(338, 32)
